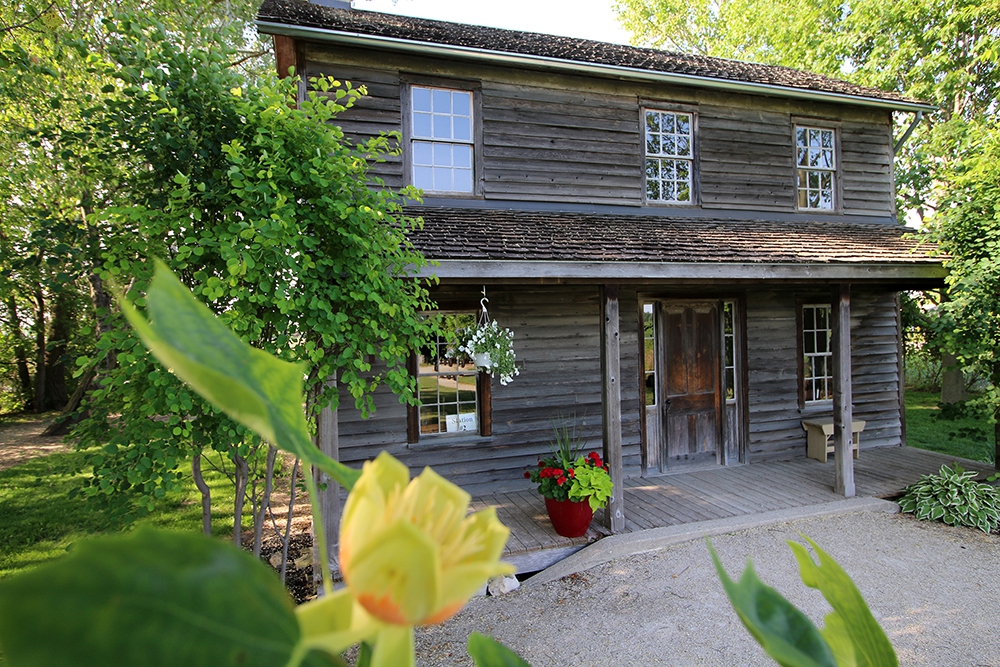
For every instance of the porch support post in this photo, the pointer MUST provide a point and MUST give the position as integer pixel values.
(843, 439)
(611, 403)
(328, 442)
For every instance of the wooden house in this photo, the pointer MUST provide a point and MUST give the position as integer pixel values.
(696, 255)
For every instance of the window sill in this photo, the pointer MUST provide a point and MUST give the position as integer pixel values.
(817, 407)
(450, 441)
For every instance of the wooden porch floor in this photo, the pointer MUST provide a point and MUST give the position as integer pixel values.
(703, 495)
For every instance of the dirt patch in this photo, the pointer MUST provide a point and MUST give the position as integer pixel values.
(21, 439)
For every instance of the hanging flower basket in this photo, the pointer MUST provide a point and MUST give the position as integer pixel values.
(491, 348)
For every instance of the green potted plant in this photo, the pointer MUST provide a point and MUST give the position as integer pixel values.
(491, 348)
(574, 485)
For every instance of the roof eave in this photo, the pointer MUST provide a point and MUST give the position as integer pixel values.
(525, 60)
(485, 269)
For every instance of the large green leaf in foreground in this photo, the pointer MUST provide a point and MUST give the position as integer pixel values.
(782, 630)
(851, 630)
(488, 652)
(249, 385)
(147, 600)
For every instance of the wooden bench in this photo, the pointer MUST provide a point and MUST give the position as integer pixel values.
(818, 433)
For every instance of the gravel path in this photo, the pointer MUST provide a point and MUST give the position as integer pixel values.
(935, 590)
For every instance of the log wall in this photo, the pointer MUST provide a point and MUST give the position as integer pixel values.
(561, 138)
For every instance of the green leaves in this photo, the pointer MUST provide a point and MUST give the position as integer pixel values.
(851, 638)
(851, 630)
(251, 386)
(954, 497)
(153, 598)
(488, 652)
(783, 631)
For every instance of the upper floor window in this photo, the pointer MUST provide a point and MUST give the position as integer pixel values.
(669, 156)
(441, 139)
(817, 353)
(816, 164)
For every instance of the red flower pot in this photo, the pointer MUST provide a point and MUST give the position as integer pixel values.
(569, 518)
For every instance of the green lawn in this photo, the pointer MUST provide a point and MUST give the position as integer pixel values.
(39, 521)
(925, 428)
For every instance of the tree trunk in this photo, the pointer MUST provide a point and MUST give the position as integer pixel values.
(265, 501)
(68, 417)
(952, 380)
(288, 523)
(206, 495)
(63, 315)
(20, 350)
(39, 403)
(242, 478)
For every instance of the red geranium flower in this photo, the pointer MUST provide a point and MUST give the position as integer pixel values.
(527, 475)
(561, 480)
(572, 473)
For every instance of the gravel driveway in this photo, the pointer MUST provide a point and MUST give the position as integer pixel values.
(935, 589)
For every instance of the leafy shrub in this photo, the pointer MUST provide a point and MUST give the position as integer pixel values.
(952, 496)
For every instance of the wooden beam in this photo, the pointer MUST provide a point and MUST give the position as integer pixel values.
(843, 458)
(611, 403)
(285, 55)
(328, 442)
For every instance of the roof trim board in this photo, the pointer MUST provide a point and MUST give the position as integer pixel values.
(577, 66)
(474, 270)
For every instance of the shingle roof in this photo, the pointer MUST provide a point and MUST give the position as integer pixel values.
(303, 13)
(475, 234)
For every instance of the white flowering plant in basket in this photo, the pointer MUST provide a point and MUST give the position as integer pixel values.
(491, 348)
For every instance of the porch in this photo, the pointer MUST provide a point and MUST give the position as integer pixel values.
(711, 493)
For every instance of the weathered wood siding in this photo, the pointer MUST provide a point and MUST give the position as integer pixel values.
(561, 138)
(775, 418)
(557, 342)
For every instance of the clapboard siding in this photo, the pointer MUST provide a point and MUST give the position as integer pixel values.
(563, 138)
(866, 162)
(775, 418)
(556, 340)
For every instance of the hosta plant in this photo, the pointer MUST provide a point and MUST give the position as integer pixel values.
(954, 497)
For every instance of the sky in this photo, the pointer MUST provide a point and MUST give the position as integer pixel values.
(588, 19)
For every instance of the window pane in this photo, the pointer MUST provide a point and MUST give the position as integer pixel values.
(667, 122)
(421, 99)
(442, 126)
(442, 155)
(683, 192)
(667, 170)
(421, 125)
(653, 190)
(441, 102)
(800, 136)
(683, 170)
(423, 178)
(653, 144)
(683, 124)
(669, 191)
(683, 146)
(422, 153)
(827, 139)
(669, 145)
(463, 128)
(463, 180)
(462, 156)
(461, 103)
(442, 178)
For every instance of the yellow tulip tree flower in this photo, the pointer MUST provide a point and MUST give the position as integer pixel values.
(410, 556)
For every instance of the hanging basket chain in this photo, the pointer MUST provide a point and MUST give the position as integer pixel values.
(484, 317)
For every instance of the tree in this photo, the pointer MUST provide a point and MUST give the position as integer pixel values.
(265, 212)
(968, 228)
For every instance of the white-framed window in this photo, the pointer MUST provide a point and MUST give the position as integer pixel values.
(816, 167)
(448, 385)
(441, 139)
(669, 156)
(729, 349)
(649, 352)
(817, 353)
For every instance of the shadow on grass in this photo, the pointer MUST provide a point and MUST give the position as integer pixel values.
(927, 428)
(39, 520)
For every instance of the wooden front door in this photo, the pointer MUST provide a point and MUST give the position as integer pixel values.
(691, 410)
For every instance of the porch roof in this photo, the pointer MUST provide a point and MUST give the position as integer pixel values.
(484, 243)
